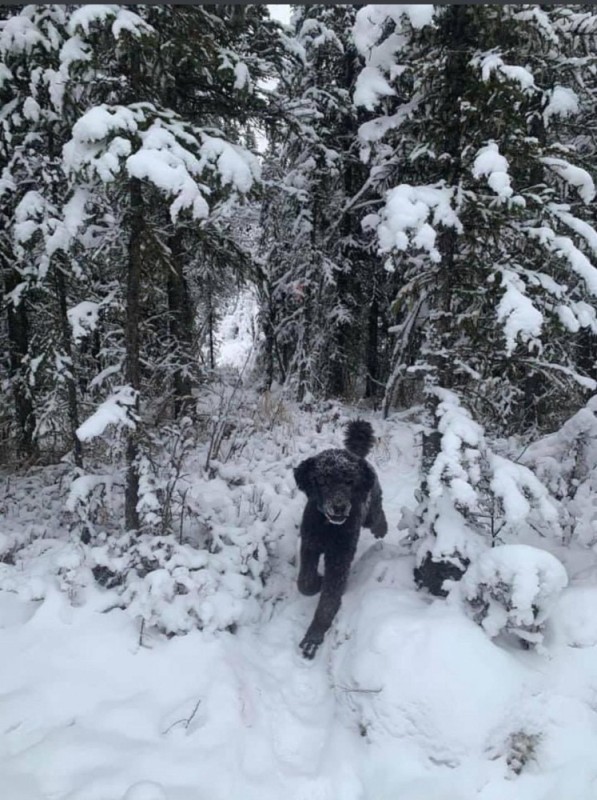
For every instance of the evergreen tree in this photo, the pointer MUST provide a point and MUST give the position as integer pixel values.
(124, 164)
(145, 152)
(38, 261)
(483, 221)
(322, 284)
(476, 226)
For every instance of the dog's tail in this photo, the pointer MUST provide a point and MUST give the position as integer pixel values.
(359, 437)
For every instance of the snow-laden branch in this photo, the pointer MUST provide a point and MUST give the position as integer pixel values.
(574, 176)
(21, 33)
(371, 22)
(118, 409)
(374, 81)
(562, 102)
(83, 318)
(521, 320)
(175, 157)
(564, 246)
(410, 214)
(584, 229)
(518, 490)
(491, 164)
(83, 18)
(491, 64)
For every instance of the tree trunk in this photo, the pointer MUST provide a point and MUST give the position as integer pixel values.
(71, 387)
(211, 325)
(269, 343)
(338, 352)
(346, 350)
(181, 325)
(587, 352)
(60, 272)
(18, 346)
(372, 383)
(133, 366)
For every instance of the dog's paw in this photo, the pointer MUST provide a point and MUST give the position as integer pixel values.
(310, 586)
(380, 529)
(309, 646)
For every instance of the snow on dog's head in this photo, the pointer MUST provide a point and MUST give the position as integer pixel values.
(334, 479)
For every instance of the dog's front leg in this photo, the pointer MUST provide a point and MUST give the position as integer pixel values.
(334, 583)
(309, 579)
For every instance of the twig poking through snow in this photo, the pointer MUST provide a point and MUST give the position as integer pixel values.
(186, 722)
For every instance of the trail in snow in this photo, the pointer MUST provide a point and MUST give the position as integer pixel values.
(407, 697)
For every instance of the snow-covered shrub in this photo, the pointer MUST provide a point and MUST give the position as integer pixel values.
(473, 496)
(521, 748)
(518, 746)
(513, 589)
(206, 568)
(176, 587)
(209, 536)
(39, 550)
(88, 497)
(446, 552)
(566, 462)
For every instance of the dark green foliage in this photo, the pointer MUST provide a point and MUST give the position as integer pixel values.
(494, 315)
(323, 287)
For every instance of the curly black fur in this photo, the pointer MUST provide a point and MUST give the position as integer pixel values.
(343, 495)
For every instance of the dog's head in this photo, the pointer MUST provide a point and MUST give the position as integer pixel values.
(335, 480)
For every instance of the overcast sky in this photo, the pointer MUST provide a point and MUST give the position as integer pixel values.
(280, 12)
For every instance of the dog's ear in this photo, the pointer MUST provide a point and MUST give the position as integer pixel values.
(303, 475)
(367, 477)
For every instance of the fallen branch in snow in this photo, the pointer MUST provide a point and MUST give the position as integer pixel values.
(186, 722)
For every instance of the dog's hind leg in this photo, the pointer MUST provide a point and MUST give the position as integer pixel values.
(379, 524)
(376, 519)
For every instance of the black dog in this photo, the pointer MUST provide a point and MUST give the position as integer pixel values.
(343, 495)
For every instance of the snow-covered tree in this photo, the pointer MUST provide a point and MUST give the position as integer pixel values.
(322, 287)
(485, 216)
(41, 217)
(151, 147)
(124, 154)
(483, 213)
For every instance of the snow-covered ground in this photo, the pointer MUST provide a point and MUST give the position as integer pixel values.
(408, 698)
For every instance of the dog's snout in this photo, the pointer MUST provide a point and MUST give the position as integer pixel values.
(337, 507)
